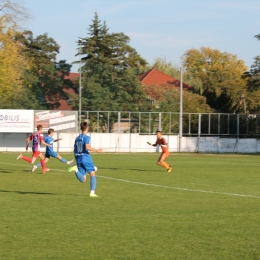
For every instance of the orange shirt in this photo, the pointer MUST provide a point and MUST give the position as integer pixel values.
(162, 142)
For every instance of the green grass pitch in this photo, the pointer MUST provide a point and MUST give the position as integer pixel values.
(208, 207)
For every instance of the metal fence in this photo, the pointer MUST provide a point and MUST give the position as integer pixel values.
(193, 124)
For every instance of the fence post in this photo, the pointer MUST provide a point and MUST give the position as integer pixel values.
(218, 124)
(149, 124)
(237, 126)
(209, 124)
(199, 132)
(108, 125)
(160, 121)
(228, 124)
(130, 131)
(118, 122)
(139, 126)
(237, 132)
(180, 132)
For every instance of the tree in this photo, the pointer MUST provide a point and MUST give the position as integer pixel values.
(253, 84)
(220, 74)
(45, 78)
(167, 99)
(12, 63)
(14, 12)
(102, 47)
(104, 92)
(109, 69)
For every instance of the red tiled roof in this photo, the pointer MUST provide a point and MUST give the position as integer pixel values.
(72, 76)
(156, 77)
(151, 77)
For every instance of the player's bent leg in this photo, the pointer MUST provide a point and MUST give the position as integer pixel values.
(29, 160)
(81, 177)
(161, 161)
(79, 172)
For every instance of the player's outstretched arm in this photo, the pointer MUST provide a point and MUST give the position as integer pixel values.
(151, 144)
(56, 140)
(45, 143)
(89, 148)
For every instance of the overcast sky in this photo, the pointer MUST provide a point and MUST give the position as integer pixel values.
(157, 28)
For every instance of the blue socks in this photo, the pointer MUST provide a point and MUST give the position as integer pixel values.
(39, 165)
(93, 182)
(63, 160)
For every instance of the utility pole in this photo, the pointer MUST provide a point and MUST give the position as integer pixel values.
(181, 113)
(80, 86)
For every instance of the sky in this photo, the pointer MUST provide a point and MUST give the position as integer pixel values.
(157, 28)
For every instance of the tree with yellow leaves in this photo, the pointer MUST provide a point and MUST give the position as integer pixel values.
(221, 76)
(12, 62)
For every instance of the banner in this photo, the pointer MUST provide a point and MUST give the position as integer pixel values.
(59, 120)
(16, 121)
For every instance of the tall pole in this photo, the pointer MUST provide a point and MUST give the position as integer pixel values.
(80, 40)
(181, 113)
(80, 91)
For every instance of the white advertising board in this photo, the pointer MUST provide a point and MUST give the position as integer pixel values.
(16, 121)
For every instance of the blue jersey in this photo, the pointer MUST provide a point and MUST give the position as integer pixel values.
(49, 140)
(80, 151)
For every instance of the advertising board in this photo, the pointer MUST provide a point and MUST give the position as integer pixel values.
(16, 121)
(59, 120)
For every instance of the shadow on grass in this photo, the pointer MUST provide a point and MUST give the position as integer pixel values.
(28, 192)
(140, 170)
(102, 168)
(4, 171)
(41, 193)
(134, 169)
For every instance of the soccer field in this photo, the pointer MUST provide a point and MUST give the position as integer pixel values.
(208, 207)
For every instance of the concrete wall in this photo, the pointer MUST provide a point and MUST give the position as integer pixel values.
(137, 143)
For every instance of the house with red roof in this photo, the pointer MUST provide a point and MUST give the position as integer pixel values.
(152, 77)
(157, 77)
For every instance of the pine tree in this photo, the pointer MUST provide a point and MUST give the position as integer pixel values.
(109, 69)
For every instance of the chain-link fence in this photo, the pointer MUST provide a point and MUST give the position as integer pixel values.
(193, 124)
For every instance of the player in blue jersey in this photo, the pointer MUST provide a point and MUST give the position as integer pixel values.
(84, 160)
(49, 150)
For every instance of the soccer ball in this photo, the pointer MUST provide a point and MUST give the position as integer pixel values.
(95, 168)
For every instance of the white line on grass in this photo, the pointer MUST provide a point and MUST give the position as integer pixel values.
(157, 185)
(183, 189)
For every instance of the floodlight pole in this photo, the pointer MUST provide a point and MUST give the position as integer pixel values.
(80, 92)
(181, 113)
(80, 86)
